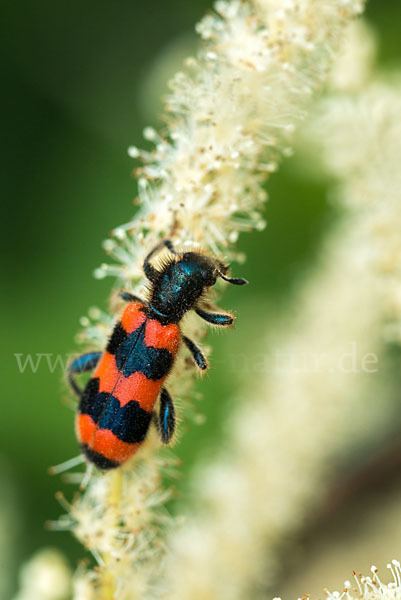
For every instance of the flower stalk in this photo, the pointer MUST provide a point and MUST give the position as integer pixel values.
(370, 587)
(309, 416)
(229, 117)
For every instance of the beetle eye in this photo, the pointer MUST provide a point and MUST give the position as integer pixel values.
(209, 277)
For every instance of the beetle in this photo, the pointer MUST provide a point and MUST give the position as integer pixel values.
(116, 407)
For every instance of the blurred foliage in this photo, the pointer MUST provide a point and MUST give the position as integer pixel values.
(73, 81)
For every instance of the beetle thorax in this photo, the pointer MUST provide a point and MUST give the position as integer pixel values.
(180, 285)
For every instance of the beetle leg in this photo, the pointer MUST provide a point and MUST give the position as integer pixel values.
(169, 245)
(128, 297)
(149, 270)
(85, 362)
(165, 421)
(197, 355)
(221, 319)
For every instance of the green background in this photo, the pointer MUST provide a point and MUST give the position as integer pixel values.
(73, 100)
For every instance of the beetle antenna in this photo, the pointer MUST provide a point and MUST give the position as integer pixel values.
(234, 280)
